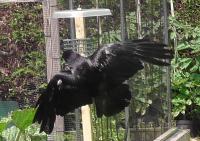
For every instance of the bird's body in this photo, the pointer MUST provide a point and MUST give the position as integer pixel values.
(99, 79)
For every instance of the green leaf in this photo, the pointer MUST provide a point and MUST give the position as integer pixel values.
(195, 76)
(149, 101)
(33, 132)
(10, 134)
(2, 127)
(194, 68)
(185, 62)
(23, 118)
(197, 101)
(4, 123)
(189, 102)
(175, 113)
(173, 35)
(182, 46)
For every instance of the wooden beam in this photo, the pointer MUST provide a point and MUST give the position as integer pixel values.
(86, 122)
(51, 31)
(86, 116)
(175, 134)
(166, 135)
(80, 32)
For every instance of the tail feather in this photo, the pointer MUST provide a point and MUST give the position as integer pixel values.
(156, 53)
(153, 60)
(148, 51)
(146, 43)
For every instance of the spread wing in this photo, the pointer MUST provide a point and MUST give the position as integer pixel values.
(118, 62)
(100, 76)
(59, 100)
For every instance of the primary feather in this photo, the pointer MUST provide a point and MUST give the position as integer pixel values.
(99, 78)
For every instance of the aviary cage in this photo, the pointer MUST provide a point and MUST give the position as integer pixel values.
(149, 113)
(148, 116)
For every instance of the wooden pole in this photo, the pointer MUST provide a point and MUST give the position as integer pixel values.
(86, 116)
(51, 31)
(138, 19)
(168, 69)
(80, 32)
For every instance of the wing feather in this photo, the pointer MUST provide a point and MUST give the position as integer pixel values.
(59, 100)
(121, 61)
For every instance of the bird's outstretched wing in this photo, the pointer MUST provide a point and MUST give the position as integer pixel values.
(59, 100)
(120, 61)
(117, 63)
(100, 76)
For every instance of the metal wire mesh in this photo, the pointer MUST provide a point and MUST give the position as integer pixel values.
(148, 115)
(86, 46)
(103, 128)
(149, 110)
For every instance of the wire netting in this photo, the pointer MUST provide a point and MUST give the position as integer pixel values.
(105, 129)
(148, 114)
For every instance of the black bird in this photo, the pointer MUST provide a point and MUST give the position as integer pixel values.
(99, 79)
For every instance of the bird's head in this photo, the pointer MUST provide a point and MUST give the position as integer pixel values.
(70, 56)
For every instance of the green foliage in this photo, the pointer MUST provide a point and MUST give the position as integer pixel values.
(33, 133)
(11, 134)
(34, 65)
(188, 11)
(186, 69)
(24, 37)
(30, 77)
(25, 23)
(17, 117)
(4, 122)
(18, 127)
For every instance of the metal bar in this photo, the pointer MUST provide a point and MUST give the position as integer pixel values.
(138, 19)
(51, 31)
(72, 27)
(122, 21)
(123, 38)
(165, 40)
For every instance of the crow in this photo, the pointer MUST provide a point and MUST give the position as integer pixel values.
(100, 78)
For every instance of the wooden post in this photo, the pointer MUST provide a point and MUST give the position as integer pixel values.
(51, 31)
(80, 32)
(138, 19)
(52, 41)
(86, 116)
